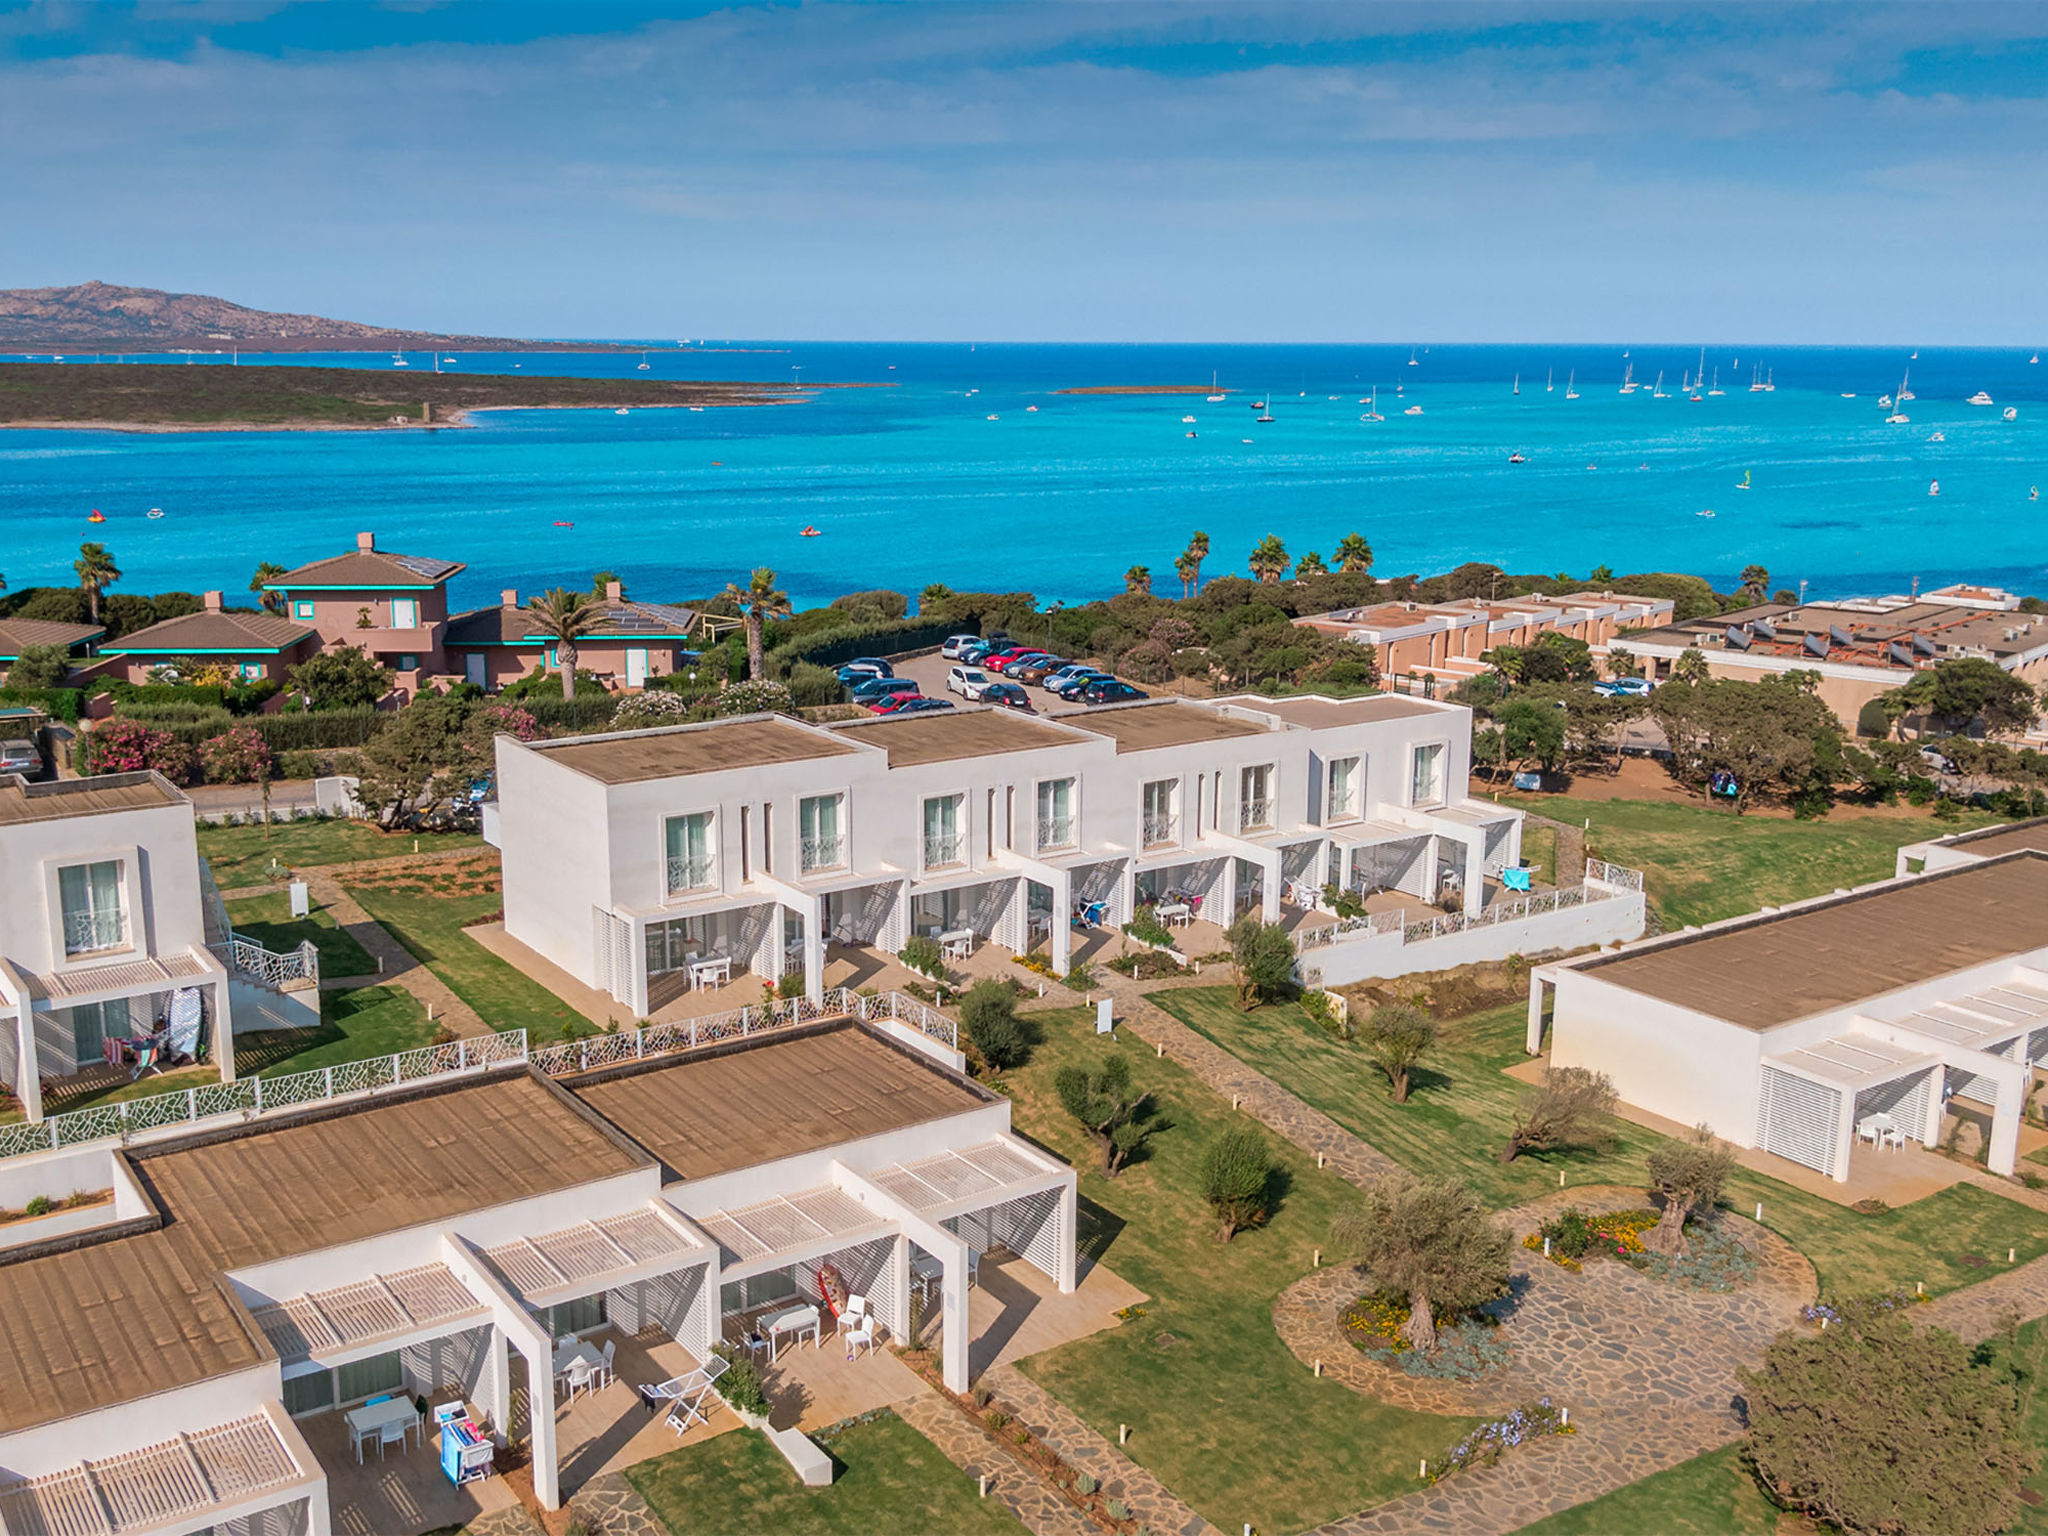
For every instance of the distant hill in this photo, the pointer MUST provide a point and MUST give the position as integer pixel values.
(108, 317)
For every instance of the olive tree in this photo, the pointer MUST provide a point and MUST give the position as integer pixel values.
(1237, 1180)
(1261, 961)
(1569, 1108)
(1689, 1175)
(1394, 1037)
(1108, 1105)
(1431, 1241)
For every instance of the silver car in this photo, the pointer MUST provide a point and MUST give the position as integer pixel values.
(21, 757)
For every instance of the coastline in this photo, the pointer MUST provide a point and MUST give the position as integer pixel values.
(457, 417)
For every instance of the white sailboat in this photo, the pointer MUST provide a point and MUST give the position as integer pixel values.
(644, 364)
(1657, 389)
(1215, 394)
(1549, 374)
(1569, 392)
(1906, 386)
(1898, 417)
(1518, 385)
(1372, 412)
(1717, 389)
(1756, 380)
(1411, 359)
(1628, 378)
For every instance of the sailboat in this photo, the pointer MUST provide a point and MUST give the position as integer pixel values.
(1657, 389)
(1898, 416)
(1265, 417)
(644, 364)
(1518, 385)
(1549, 374)
(1411, 359)
(1373, 410)
(1905, 386)
(1934, 487)
(1756, 381)
(1743, 484)
(1628, 378)
(1717, 389)
(1569, 392)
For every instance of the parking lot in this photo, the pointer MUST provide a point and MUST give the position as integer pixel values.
(929, 673)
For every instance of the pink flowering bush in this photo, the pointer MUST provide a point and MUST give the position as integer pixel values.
(122, 745)
(236, 756)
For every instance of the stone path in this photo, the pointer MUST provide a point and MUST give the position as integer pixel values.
(1152, 1504)
(609, 1505)
(1571, 847)
(398, 967)
(1020, 1488)
(517, 1520)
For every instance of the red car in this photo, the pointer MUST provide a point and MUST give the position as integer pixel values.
(889, 703)
(995, 661)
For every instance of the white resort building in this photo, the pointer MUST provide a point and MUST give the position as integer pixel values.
(651, 864)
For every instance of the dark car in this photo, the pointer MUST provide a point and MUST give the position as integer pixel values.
(866, 690)
(1009, 695)
(1070, 687)
(910, 704)
(978, 652)
(1036, 671)
(1107, 690)
(864, 666)
(1018, 663)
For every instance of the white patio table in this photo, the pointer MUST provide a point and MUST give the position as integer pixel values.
(796, 1320)
(365, 1422)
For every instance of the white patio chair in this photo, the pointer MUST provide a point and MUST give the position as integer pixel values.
(392, 1434)
(694, 1400)
(973, 1269)
(857, 1326)
(605, 1371)
(577, 1378)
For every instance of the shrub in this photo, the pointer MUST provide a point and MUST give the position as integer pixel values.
(65, 704)
(39, 1206)
(755, 699)
(238, 756)
(589, 711)
(132, 746)
(340, 679)
(988, 1017)
(1261, 960)
(1237, 1179)
(1146, 928)
(921, 953)
(740, 1386)
(1085, 1485)
(814, 687)
(40, 666)
(645, 709)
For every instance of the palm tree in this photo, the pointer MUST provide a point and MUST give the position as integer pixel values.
(1198, 551)
(1138, 581)
(1756, 581)
(1310, 564)
(563, 615)
(96, 572)
(1354, 555)
(758, 600)
(268, 572)
(1269, 559)
(1187, 568)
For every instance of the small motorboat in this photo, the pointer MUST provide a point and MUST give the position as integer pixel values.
(992, 416)
(1980, 398)
(1032, 409)
(1518, 458)
(560, 524)
(97, 516)
(156, 511)
(2033, 493)
(807, 532)
(1884, 402)
(1937, 437)
(2010, 413)
(1934, 487)
(1848, 394)
(1704, 512)
(1258, 405)
(1187, 421)
(1413, 410)
(1191, 434)
(698, 409)
(622, 411)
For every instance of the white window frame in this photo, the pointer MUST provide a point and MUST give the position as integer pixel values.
(844, 860)
(302, 608)
(963, 815)
(1356, 811)
(1443, 773)
(1246, 822)
(95, 925)
(669, 888)
(1159, 829)
(1039, 821)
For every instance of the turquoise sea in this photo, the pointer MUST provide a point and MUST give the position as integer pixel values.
(912, 482)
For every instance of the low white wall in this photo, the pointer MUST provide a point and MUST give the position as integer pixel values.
(1367, 956)
(804, 1455)
(255, 1008)
(921, 1042)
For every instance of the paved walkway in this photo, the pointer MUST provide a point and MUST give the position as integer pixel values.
(609, 1505)
(397, 966)
(1021, 1489)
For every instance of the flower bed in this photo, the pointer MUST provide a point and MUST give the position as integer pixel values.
(1818, 1312)
(1716, 1262)
(1467, 1347)
(1486, 1444)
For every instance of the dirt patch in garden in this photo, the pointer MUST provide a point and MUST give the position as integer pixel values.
(1447, 994)
(477, 875)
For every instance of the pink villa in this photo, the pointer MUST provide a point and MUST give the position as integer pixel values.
(631, 643)
(1448, 640)
(395, 607)
(254, 646)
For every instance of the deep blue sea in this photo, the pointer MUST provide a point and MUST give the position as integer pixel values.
(942, 472)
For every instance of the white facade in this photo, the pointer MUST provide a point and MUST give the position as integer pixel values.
(867, 832)
(101, 919)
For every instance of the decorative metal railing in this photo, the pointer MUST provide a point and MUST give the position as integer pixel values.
(88, 931)
(1161, 830)
(1055, 832)
(689, 874)
(614, 1047)
(1410, 930)
(1616, 875)
(941, 850)
(823, 852)
(245, 957)
(1254, 815)
(252, 1095)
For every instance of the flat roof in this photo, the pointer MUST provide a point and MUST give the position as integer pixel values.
(53, 801)
(1790, 965)
(753, 741)
(1143, 726)
(377, 1168)
(945, 734)
(107, 1323)
(1319, 712)
(1993, 841)
(774, 1098)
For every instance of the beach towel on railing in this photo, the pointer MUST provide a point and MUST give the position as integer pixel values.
(187, 1016)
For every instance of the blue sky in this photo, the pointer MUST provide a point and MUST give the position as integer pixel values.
(1160, 171)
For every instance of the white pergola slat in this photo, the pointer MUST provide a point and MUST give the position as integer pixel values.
(175, 1480)
(367, 1311)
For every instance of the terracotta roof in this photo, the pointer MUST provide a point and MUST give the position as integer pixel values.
(774, 1098)
(214, 631)
(752, 741)
(1789, 965)
(368, 568)
(59, 798)
(622, 620)
(1164, 723)
(18, 634)
(945, 735)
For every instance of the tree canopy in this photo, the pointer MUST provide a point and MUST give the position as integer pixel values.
(1430, 1240)
(1964, 691)
(1770, 737)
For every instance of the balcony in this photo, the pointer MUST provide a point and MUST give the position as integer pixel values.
(689, 874)
(1161, 831)
(1055, 832)
(387, 640)
(942, 851)
(823, 853)
(1255, 816)
(86, 932)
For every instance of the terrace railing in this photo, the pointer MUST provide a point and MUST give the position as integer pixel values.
(823, 853)
(614, 1047)
(247, 958)
(247, 1096)
(689, 874)
(1612, 882)
(85, 932)
(1161, 830)
(943, 849)
(1600, 872)
(1255, 815)
(1055, 832)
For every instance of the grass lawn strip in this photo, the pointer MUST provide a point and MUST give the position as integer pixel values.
(1458, 1115)
(890, 1480)
(268, 920)
(430, 928)
(359, 1022)
(1701, 865)
(242, 856)
(1219, 1409)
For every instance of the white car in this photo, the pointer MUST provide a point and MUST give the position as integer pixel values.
(955, 644)
(968, 682)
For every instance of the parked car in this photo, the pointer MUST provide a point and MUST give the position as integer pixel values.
(955, 644)
(907, 704)
(1017, 664)
(1070, 686)
(1009, 696)
(1623, 688)
(1038, 669)
(967, 681)
(864, 666)
(1107, 690)
(869, 689)
(896, 703)
(995, 659)
(21, 757)
(1072, 668)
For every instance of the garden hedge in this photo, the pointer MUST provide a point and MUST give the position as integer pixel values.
(64, 704)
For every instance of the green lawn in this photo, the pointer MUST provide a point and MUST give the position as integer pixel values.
(1702, 864)
(364, 1021)
(1711, 1495)
(242, 855)
(268, 920)
(889, 1479)
(1218, 1407)
(430, 927)
(1459, 1111)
